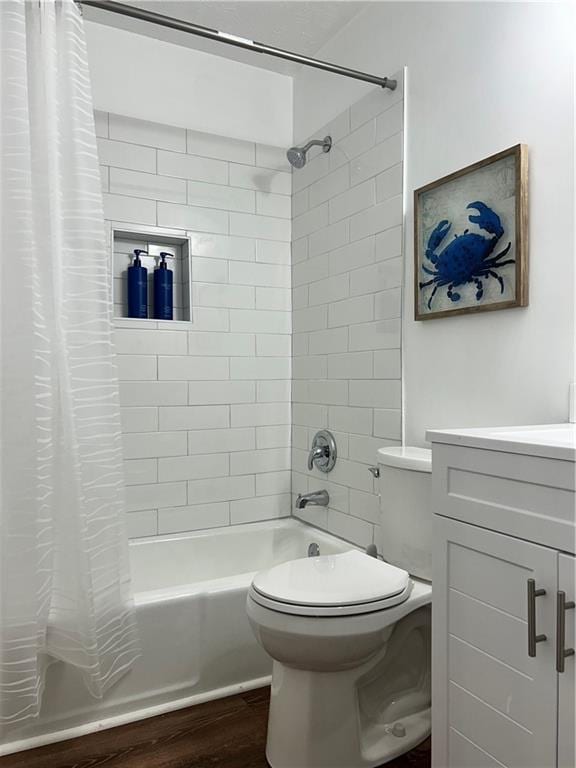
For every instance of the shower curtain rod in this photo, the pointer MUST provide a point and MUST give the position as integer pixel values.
(239, 42)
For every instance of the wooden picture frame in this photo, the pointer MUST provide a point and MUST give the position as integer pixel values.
(462, 263)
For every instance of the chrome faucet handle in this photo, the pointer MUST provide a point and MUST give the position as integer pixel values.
(323, 452)
(316, 453)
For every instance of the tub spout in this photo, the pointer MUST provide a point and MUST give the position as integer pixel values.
(317, 498)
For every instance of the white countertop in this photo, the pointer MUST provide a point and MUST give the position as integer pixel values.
(552, 441)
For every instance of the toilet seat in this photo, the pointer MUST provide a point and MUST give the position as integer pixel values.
(346, 584)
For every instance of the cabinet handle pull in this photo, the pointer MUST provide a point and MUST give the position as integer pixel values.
(533, 638)
(561, 651)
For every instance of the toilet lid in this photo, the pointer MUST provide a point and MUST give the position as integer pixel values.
(343, 584)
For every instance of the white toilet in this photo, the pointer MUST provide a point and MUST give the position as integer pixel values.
(350, 636)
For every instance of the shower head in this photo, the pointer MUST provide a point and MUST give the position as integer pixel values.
(297, 155)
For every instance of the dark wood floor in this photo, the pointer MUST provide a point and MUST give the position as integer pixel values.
(227, 733)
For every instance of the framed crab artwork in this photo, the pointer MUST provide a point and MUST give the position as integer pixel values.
(471, 238)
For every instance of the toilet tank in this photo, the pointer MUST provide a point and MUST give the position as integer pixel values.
(405, 535)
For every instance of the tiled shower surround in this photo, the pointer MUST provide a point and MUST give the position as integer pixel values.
(206, 404)
(347, 271)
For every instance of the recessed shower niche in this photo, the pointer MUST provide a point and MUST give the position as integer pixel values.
(151, 241)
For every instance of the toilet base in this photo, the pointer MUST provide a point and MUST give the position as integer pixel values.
(357, 718)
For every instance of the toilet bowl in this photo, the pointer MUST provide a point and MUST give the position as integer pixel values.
(349, 636)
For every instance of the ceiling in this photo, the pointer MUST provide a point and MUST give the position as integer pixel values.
(302, 27)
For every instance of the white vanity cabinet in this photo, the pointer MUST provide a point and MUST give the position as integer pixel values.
(503, 690)
(567, 678)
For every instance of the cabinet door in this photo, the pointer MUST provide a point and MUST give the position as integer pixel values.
(567, 678)
(493, 704)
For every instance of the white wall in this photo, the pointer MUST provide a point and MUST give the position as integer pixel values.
(481, 77)
(347, 284)
(205, 403)
(150, 79)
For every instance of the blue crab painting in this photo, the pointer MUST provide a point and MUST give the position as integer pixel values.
(468, 258)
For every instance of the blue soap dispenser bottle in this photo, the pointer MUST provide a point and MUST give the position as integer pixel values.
(163, 290)
(137, 287)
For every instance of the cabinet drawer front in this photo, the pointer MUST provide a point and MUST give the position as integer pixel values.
(493, 704)
(524, 496)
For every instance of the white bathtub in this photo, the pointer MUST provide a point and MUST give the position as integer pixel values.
(190, 594)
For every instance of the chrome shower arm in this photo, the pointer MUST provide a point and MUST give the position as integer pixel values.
(325, 143)
(314, 143)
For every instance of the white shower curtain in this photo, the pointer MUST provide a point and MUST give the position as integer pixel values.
(64, 578)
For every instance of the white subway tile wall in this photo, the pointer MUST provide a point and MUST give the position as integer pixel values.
(285, 338)
(347, 272)
(206, 403)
